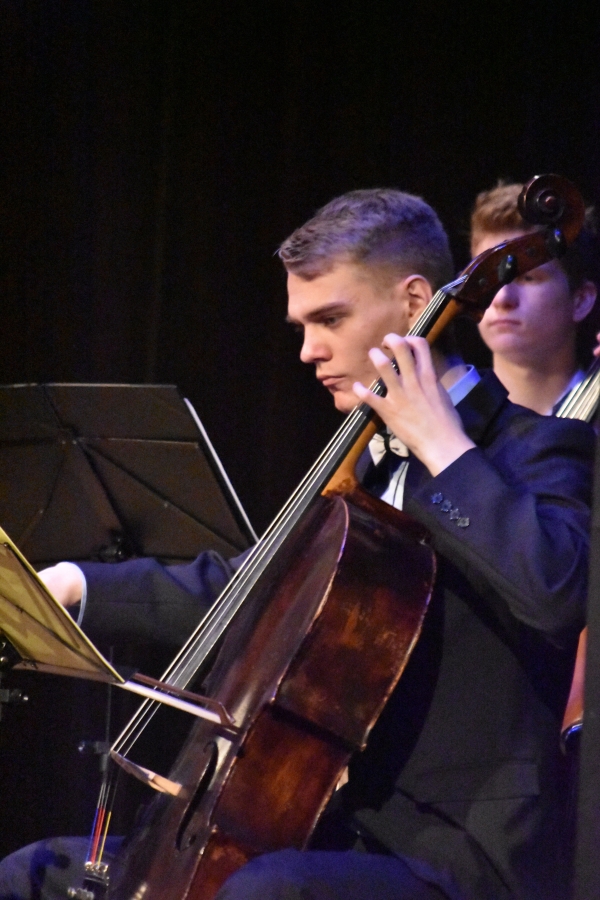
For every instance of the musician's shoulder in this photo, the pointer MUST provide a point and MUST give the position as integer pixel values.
(565, 435)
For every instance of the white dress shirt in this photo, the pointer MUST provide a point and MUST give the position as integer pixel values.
(378, 446)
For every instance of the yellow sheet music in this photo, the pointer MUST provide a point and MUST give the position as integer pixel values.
(39, 628)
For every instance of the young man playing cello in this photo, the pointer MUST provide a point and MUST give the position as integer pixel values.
(461, 781)
(459, 792)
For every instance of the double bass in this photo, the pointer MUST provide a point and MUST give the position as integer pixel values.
(314, 630)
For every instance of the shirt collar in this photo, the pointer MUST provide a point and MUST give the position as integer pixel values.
(464, 385)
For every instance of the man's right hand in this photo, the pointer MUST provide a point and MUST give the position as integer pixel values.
(65, 582)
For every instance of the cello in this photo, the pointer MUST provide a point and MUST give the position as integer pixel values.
(316, 630)
(580, 403)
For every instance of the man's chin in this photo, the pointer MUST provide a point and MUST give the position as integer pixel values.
(344, 402)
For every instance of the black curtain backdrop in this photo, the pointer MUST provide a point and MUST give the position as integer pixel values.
(154, 153)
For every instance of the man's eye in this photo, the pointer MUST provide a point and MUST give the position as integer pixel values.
(331, 320)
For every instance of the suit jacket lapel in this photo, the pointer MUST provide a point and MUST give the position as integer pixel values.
(478, 410)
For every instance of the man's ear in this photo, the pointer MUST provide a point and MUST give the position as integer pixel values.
(583, 300)
(419, 293)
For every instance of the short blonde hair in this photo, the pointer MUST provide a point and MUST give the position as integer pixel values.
(496, 211)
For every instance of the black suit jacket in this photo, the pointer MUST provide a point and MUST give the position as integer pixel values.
(463, 769)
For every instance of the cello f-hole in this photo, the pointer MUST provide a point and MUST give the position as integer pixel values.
(185, 838)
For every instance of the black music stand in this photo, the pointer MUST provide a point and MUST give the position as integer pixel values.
(110, 471)
(96, 472)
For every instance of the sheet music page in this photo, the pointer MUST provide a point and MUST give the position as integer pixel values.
(39, 628)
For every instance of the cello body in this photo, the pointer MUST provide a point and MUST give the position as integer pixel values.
(304, 672)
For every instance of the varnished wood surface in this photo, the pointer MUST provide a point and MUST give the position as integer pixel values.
(346, 610)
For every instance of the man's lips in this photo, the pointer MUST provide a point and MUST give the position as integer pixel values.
(330, 381)
(509, 322)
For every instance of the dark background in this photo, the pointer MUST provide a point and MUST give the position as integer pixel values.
(155, 153)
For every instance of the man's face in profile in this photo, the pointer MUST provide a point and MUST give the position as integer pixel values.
(342, 315)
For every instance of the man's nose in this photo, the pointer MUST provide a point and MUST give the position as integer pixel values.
(313, 348)
(507, 297)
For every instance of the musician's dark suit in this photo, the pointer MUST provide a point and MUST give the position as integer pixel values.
(463, 770)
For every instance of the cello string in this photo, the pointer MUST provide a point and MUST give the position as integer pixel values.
(99, 817)
(201, 642)
(212, 623)
(582, 401)
(313, 480)
(212, 626)
(210, 629)
(103, 815)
